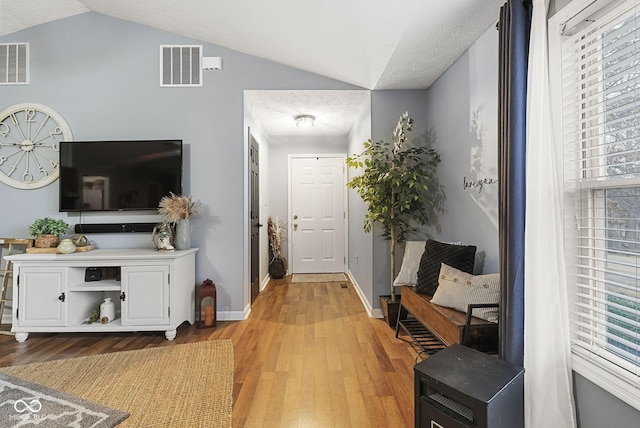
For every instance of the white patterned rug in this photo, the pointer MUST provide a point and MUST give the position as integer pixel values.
(26, 404)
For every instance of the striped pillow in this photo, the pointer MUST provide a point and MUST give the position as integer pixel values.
(457, 289)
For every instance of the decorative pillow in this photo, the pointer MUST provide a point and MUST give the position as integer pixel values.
(410, 262)
(458, 289)
(461, 257)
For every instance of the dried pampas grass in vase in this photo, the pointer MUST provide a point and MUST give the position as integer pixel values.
(175, 207)
(178, 210)
(275, 231)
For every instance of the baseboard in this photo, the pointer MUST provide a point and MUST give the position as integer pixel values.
(265, 282)
(373, 313)
(377, 313)
(235, 315)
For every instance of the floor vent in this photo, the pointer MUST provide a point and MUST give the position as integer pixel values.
(180, 66)
(14, 63)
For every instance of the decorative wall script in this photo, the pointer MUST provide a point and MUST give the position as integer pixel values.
(477, 184)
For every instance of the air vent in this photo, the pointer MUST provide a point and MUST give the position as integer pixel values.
(180, 65)
(14, 63)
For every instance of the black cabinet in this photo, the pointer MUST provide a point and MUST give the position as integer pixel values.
(460, 387)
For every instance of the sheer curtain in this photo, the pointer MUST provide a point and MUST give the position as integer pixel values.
(547, 352)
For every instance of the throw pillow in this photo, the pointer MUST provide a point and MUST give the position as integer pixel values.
(461, 257)
(410, 262)
(458, 289)
(408, 274)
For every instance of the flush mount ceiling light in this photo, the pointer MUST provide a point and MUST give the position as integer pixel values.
(304, 120)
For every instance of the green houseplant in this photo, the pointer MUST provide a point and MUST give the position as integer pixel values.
(396, 185)
(47, 231)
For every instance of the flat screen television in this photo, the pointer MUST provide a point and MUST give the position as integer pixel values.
(118, 175)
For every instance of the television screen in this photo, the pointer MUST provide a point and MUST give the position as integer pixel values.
(118, 175)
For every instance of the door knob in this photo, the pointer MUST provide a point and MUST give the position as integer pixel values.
(295, 217)
(295, 226)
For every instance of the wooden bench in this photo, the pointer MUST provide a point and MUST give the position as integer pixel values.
(449, 326)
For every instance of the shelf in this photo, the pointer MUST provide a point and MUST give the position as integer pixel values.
(104, 285)
(426, 340)
(115, 323)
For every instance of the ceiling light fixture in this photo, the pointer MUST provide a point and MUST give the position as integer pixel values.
(304, 120)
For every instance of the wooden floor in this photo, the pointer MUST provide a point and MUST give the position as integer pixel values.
(308, 356)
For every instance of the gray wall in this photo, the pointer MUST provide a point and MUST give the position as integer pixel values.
(462, 108)
(360, 257)
(386, 108)
(597, 408)
(101, 75)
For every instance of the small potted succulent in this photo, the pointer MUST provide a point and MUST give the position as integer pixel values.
(48, 231)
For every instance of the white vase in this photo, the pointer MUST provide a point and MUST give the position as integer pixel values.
(182, 239)
(107, 311)
(66, 246)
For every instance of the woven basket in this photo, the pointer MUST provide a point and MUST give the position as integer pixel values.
(47, 241)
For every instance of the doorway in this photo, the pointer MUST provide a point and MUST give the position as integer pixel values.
(317, 217)
(254, 214)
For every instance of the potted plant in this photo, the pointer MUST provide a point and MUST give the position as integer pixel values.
(277, 264)
(48, 231)
(396, 185)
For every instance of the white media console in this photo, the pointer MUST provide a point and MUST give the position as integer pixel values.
(152, 291)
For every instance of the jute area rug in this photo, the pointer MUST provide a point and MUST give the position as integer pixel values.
(318, 277)
(187, 385)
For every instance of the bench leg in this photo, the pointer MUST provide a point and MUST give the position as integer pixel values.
(402, 315)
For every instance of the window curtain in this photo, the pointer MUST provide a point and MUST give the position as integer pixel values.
(515, 18)
(547, 347)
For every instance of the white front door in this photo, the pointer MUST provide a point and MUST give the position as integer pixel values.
(316, 214)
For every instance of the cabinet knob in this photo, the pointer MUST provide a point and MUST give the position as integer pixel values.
(122, 296)
(62, 297)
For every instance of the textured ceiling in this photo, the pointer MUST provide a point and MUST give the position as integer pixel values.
(335, 111)
(373, 44)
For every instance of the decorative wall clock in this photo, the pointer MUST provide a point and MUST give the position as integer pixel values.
(29, 145)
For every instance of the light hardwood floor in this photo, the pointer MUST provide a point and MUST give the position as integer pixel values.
(308, 356)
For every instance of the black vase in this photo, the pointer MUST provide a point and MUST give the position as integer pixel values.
(277, 269)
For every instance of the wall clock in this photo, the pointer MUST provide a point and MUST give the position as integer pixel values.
(29, 145)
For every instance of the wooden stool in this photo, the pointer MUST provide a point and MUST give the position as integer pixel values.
(6, 271)
(207, 301)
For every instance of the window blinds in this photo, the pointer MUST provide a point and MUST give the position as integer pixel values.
(601, 122)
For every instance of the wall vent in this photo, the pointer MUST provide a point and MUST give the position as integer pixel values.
(14, 63)
(180, 65)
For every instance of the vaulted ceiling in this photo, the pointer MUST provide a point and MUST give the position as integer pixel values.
(373, 44)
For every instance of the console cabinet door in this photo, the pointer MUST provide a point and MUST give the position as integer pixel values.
(42, 296)
(145, 298)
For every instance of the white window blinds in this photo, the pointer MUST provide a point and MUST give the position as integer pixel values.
(601, 122)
